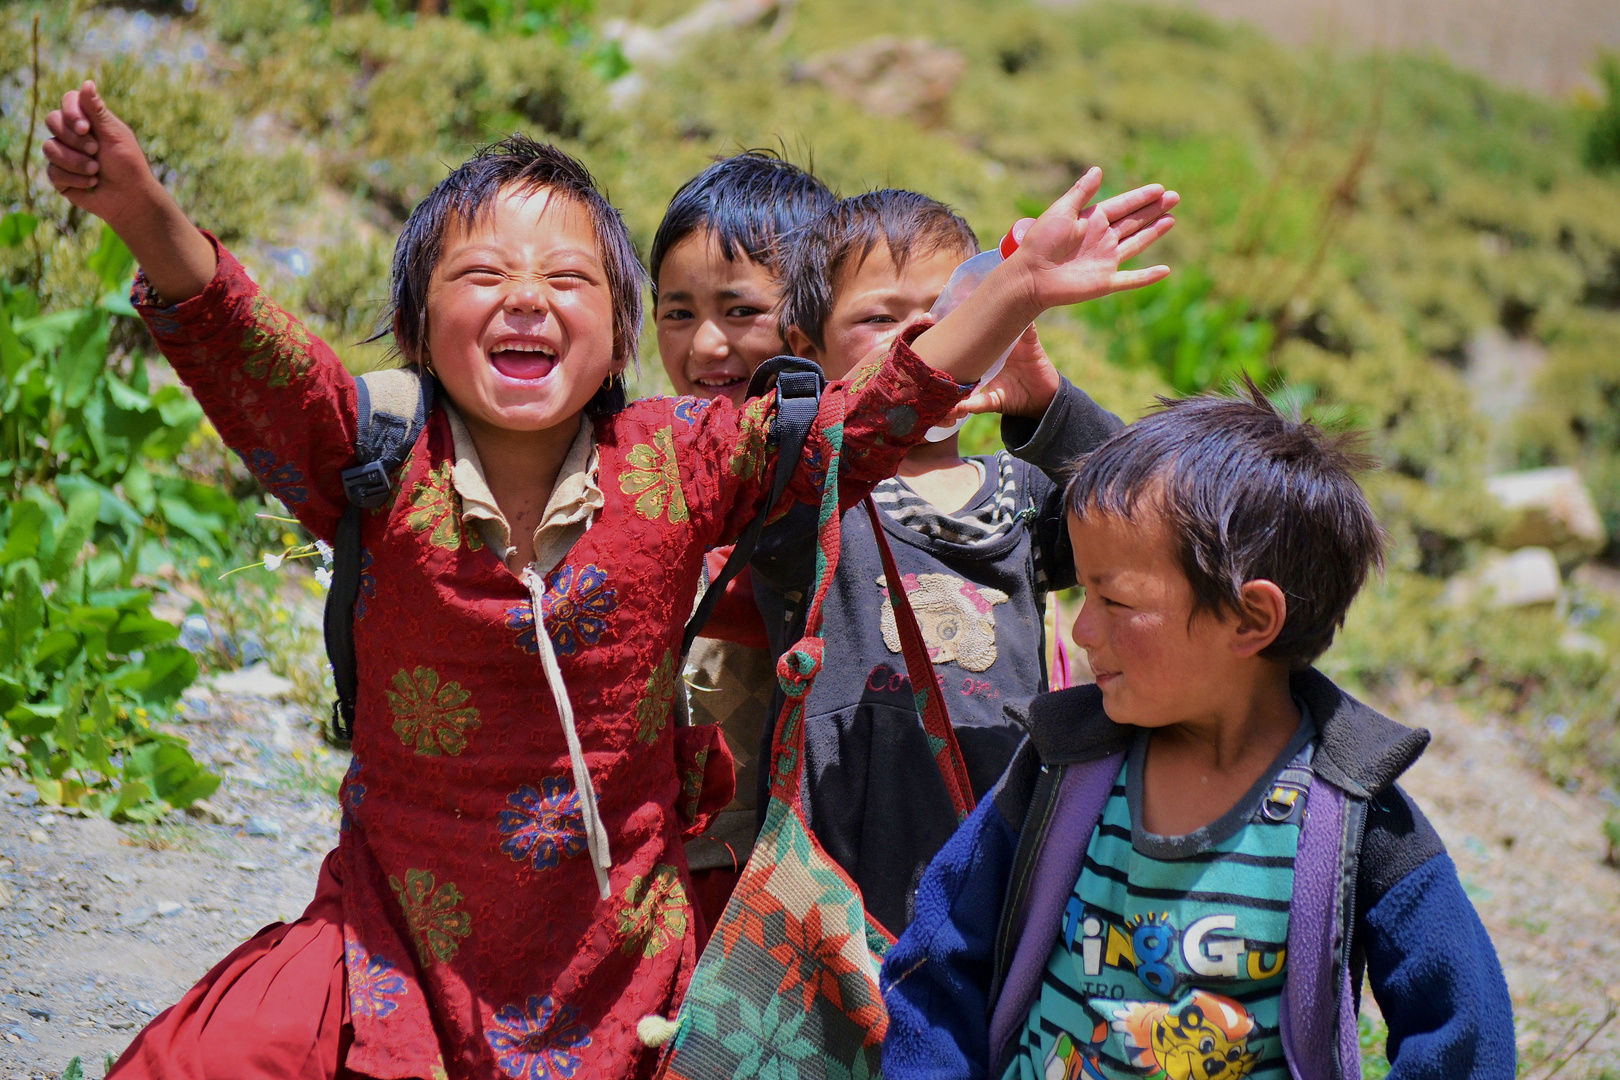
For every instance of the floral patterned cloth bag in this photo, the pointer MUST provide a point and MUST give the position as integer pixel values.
(788, 985)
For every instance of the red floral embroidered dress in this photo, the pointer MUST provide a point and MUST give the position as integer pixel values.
(472, 923)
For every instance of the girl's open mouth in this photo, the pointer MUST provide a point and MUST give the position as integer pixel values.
(523, 359)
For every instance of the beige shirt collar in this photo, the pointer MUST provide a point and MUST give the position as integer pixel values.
(575, 497)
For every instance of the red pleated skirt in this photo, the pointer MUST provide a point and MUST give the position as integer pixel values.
(277, 1008)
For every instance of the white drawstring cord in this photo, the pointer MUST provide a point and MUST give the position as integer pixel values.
(596, 838)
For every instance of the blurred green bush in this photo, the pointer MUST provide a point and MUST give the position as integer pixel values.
(1351, 225)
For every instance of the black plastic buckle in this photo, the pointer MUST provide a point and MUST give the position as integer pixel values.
(367, 486)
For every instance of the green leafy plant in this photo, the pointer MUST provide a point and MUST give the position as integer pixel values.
(1603, 137)
(84, 664)
(1181, 329)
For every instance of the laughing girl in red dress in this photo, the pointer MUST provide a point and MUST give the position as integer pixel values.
(509, 895)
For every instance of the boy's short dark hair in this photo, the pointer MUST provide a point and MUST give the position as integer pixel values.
(909, 223)
(754, 202)
(1248, 494)
(469, 193)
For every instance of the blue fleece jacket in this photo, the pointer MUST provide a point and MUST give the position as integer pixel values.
(961, 970)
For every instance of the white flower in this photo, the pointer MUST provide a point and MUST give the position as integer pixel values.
(326, 553)
(324, 576)
(272, 562)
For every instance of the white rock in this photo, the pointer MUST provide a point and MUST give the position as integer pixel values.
(256, 680)
(168, 908)
(263, 825)
(1525, 577)
(1549, 508)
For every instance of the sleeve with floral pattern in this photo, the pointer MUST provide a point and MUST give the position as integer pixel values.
(277, 394)
(888, 406)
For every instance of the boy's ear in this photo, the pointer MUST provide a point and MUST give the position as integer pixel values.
(1261, 618)
(798, 343)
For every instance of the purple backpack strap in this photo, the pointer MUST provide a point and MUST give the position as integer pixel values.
(1314, 1003)
(1081, 796)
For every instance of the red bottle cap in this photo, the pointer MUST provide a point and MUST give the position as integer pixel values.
(1015, 235)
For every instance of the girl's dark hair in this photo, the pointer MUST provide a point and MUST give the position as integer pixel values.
(909, 223)
(754, 202)
(468, 194)
(1248, 494)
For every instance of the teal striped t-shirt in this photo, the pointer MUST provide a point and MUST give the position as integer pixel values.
(1170, 960)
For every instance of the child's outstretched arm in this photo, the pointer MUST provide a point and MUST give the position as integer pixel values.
(279, 397)
(1430, 961)
(1071, 254)
(98, 166)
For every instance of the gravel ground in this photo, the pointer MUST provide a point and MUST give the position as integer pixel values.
(103, 925)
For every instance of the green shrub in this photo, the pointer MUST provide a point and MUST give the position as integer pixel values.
(84, 664)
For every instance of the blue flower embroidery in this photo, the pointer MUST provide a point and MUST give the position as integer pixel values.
(350, 795)
(688, 408)
(577, 607)
(284, 480)
(531, 1041)
(521, 619)
(368, 585)
(545, 825)
(374, 983)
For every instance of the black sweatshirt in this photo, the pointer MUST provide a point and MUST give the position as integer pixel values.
(872, 791)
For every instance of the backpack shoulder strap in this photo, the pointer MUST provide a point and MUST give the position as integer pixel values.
(798, 384)
(392, 409)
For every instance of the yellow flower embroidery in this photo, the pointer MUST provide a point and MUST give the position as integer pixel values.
(655, 478)
(277, 346)
(652, 712)
(656, 915)
(433, 915)
(435, 505)
(434, 718)
(864, 375)
(748, 459)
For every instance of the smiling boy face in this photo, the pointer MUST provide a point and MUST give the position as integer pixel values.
(716, 318)
(873, 300)
(1155, 660)
(520, 315)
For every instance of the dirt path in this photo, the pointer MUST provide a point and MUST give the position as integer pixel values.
(1531, 857)
(103, 926)
(106, 925)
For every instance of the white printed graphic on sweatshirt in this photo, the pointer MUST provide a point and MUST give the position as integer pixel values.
(957, 619)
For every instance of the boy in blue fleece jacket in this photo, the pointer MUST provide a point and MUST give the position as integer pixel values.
(1189, 867)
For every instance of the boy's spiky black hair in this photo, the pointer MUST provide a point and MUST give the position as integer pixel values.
(1248, 494)
(468, 194)
(908, 223)
(753, 202)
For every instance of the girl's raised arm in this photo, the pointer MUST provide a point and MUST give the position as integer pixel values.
(279, 397)
(98, 166)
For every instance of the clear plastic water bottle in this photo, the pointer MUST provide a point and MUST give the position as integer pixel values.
(964, 280)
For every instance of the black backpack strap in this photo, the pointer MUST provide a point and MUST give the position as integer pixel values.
(798, 385)
(393, 408)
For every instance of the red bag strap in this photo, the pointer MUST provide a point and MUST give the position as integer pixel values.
(930, 700)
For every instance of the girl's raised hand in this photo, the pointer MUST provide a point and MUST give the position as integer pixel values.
(1073, 251)
(98, 166)
(95, 161)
